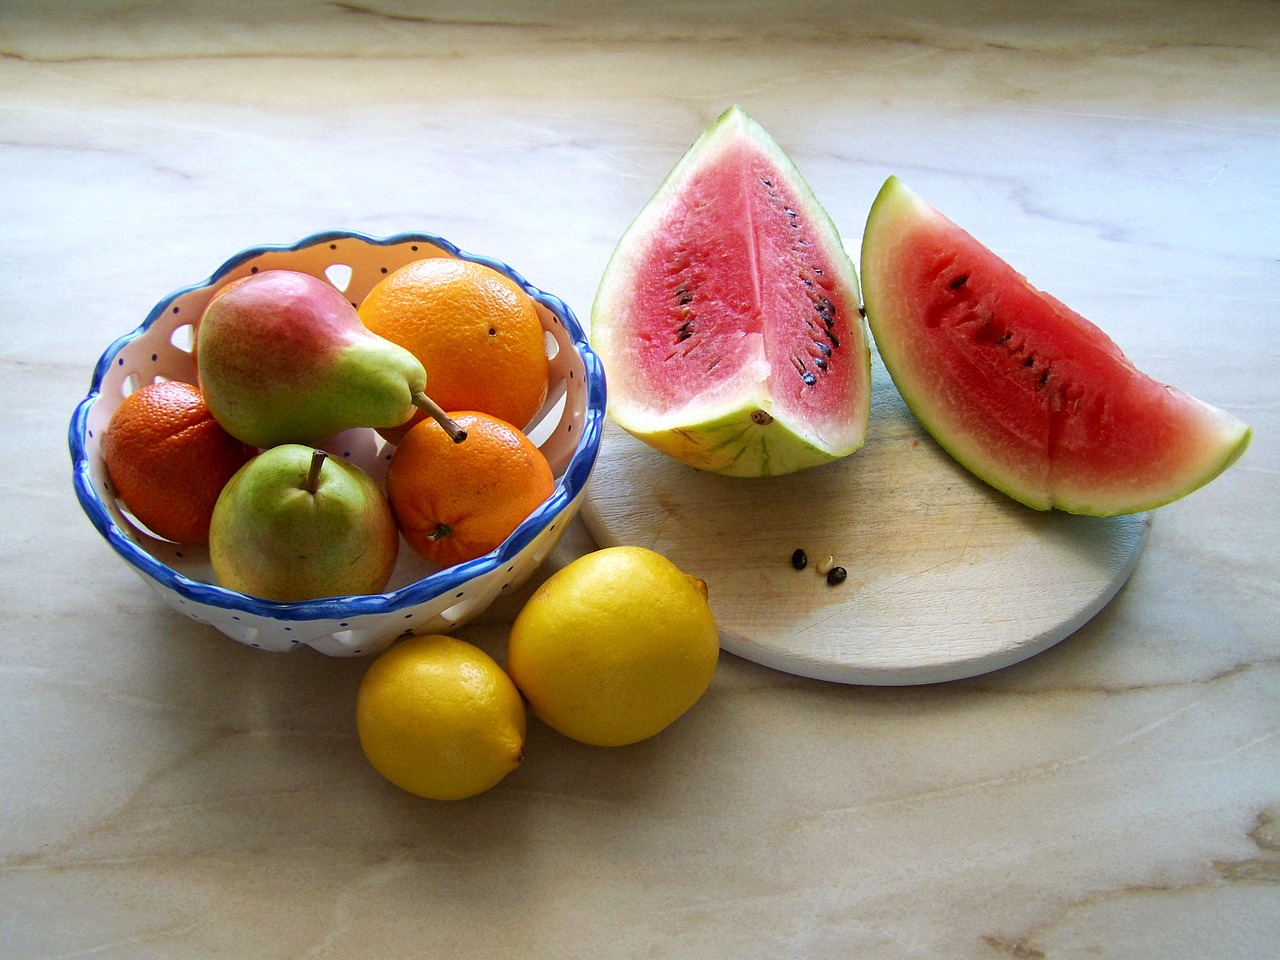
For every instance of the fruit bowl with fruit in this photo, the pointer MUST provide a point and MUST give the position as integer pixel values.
(425, 591)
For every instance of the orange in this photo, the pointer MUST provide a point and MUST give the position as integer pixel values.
(475, 331)
(168, 459)
(457, 501)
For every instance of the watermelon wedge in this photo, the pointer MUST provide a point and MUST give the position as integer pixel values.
(728, 316)
(1019, 388)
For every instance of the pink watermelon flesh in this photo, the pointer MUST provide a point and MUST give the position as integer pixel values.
(1020, 388)
(732, 280)
(732, 289)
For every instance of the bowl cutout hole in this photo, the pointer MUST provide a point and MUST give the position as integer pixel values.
(339, 275)
(184, 337)
(138, 527)
(461, 610)
(549, 541)
(553, 344)
(245, 634)
(545, 425)
(352, 638)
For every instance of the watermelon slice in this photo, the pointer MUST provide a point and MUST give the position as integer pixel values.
(1020, 389)
(728, 318)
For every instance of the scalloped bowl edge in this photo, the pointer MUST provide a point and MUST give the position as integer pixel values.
(438, 600)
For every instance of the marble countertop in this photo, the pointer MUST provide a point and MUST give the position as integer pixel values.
(171, 793)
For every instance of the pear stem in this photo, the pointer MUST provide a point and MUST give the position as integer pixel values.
(451, 427)
(313, 475)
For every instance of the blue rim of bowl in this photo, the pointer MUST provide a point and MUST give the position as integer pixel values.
(430, 587)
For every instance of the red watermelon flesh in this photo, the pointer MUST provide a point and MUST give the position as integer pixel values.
(728, 317)
(759, 298)
(1017, 386)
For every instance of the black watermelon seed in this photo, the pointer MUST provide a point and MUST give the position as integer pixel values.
(837, 575)
(809, 378)
(799, 559)
(959, 281)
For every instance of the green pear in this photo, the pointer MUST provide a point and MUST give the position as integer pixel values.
(283, 357)
(297, 524)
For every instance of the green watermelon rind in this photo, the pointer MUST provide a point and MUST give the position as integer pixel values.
(1235, 442)
(729, 438)
(893, 207)
(736, 446)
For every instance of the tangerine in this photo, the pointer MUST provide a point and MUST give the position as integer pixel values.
(475, 331)
(457, 501)
(168, 459)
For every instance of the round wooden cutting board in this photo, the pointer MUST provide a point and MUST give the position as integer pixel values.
(947, 578)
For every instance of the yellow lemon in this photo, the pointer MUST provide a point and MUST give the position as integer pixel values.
(439, 718)
(615, 646)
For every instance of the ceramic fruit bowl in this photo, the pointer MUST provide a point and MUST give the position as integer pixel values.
(420, 598)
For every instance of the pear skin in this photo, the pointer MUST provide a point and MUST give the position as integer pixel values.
(283, 357)
(297, 524)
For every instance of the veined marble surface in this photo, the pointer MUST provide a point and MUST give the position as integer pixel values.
(170, 793)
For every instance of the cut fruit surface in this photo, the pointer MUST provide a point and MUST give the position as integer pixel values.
(728, 316)
(1019, 388)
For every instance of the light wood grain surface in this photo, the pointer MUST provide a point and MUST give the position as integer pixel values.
(948, 578)
(171, 793)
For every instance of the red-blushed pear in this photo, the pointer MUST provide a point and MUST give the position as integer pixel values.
(283, 357)
(296, 524)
